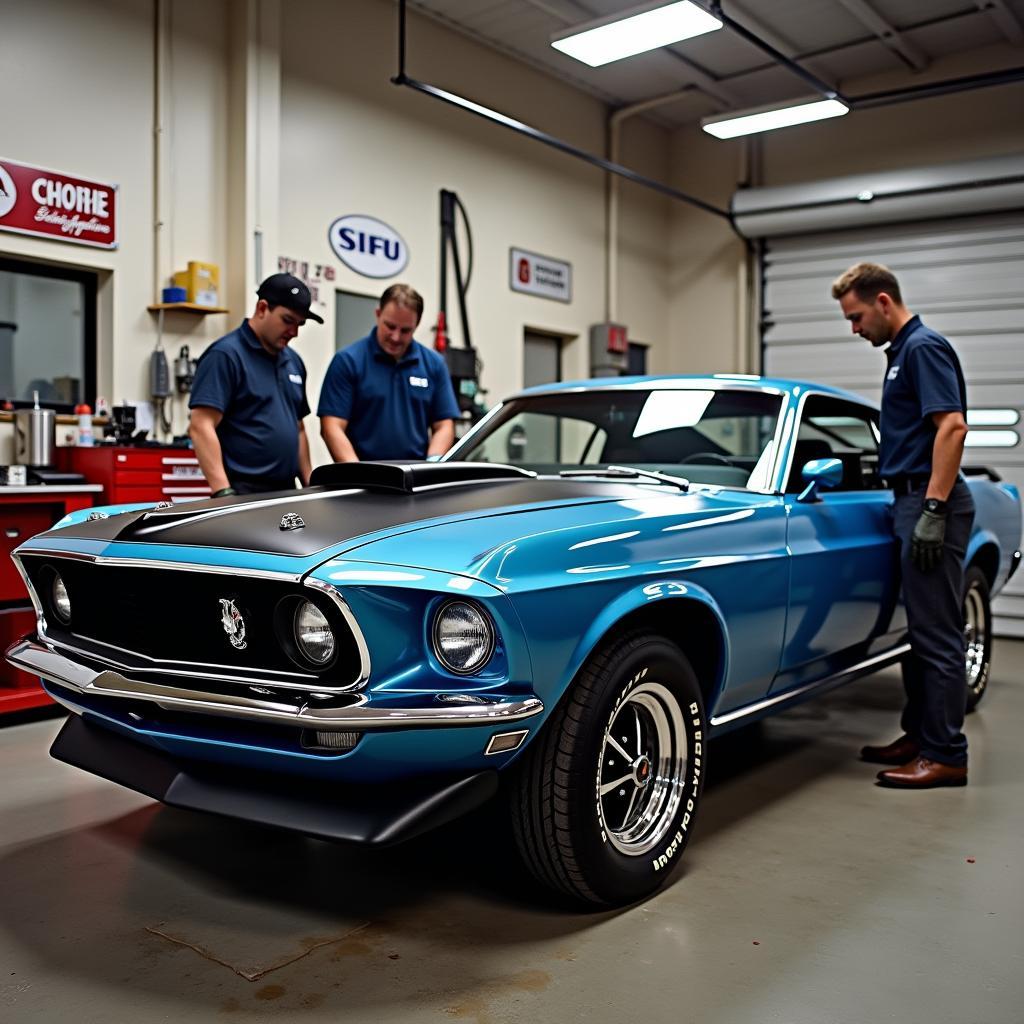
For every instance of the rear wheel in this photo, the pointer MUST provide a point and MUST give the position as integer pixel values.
(606, 797)
(977, 613)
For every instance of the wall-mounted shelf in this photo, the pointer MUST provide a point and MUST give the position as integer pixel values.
(185, 307)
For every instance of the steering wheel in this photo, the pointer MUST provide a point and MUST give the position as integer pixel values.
(706, 457)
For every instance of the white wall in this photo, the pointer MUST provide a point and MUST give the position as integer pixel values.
(346, 140)
(333, 136)
(351, 142)
(80, 99)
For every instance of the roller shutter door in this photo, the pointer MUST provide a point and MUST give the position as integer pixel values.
(965, 276)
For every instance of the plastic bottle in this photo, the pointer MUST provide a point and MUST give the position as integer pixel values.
(85, 437)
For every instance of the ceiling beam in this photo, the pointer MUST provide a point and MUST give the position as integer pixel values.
(1004, 18)
(888, 34)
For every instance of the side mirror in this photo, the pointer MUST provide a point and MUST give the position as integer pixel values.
(820, 474)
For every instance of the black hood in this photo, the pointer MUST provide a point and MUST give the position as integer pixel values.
(342, 510)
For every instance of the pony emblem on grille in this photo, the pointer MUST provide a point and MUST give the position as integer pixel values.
(292, 521)
(233, 623)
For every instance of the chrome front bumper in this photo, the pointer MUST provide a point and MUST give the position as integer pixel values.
(352, 711)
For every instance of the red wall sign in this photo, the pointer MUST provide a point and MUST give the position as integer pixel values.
(56, 205)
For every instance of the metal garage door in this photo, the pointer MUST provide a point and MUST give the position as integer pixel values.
(966, 279)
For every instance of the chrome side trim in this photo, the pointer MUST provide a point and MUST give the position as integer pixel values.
(877, 661)
(357, 713)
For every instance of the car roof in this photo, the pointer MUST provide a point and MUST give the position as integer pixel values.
(740, 381)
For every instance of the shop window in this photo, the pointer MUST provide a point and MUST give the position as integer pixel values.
(47, 335)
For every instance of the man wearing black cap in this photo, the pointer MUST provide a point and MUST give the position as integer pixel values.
(249, 397)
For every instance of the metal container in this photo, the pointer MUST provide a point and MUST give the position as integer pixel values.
(35, 436)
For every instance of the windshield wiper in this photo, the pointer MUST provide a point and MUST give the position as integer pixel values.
(627, 472)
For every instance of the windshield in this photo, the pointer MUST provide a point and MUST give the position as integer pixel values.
(720, 437)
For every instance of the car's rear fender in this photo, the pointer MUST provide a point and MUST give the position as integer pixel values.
(983, 550)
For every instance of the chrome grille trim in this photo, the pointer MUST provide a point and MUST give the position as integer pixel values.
(229, 674)
(42, 660)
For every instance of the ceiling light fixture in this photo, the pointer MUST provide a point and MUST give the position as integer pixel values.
(764, 119)
(640, 29)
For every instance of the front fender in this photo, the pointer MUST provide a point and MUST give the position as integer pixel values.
(636, 599)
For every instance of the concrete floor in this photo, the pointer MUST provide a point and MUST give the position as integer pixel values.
(807, 895)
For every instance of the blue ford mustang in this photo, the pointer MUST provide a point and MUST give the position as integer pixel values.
(598, 578)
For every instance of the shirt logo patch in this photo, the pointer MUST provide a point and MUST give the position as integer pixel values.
(893, 372)
(295, 378)
(419, 382)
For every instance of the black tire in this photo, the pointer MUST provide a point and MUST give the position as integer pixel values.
(977, 615)
(602, 817)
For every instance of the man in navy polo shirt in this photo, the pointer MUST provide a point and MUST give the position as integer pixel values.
(923, 426)
(387, 396)
(249, 397)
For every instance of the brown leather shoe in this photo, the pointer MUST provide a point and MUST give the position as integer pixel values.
(924, 774)
(899, 752)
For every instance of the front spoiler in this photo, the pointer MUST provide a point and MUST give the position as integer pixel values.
(377, 814)
(345, 712)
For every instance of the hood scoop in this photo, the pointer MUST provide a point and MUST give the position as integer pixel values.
(408, 477)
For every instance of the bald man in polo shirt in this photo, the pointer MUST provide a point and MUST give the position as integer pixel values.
(387, 396)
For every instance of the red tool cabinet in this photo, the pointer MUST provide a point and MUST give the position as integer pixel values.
(24, 512)
(138, 474)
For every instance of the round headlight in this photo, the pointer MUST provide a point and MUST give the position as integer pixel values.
(463, 637)
(60, 600)
(313, 635)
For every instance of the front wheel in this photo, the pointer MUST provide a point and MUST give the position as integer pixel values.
(977, 614)
(606, 797)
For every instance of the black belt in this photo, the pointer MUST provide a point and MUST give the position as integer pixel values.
(906, 484)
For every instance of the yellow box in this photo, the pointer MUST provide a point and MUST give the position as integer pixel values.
(201, 282)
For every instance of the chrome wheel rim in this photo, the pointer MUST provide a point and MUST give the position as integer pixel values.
(641, 773)
(975, 638)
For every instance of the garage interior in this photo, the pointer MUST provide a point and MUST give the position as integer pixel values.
(234, 133)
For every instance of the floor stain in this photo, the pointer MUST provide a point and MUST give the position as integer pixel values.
(478, 1007)
(269, 992)
(312, 1000)
(351, 947)
(231, 1005)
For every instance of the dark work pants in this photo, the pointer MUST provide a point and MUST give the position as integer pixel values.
(933, 673)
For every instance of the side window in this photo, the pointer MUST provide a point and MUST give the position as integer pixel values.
(832, 428)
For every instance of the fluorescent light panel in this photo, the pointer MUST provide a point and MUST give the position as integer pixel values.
(992, 439)
(645, 30)
(992, 417)
(730, 126)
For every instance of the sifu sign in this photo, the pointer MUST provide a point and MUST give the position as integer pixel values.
(368, 246)
(51, 204)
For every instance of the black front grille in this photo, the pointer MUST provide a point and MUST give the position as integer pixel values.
(175, 616)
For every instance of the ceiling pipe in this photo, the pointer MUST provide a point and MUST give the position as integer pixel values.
(495, 117)
(928, 89)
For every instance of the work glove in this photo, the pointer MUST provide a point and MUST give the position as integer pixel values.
(224, 492)
(927, 538)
